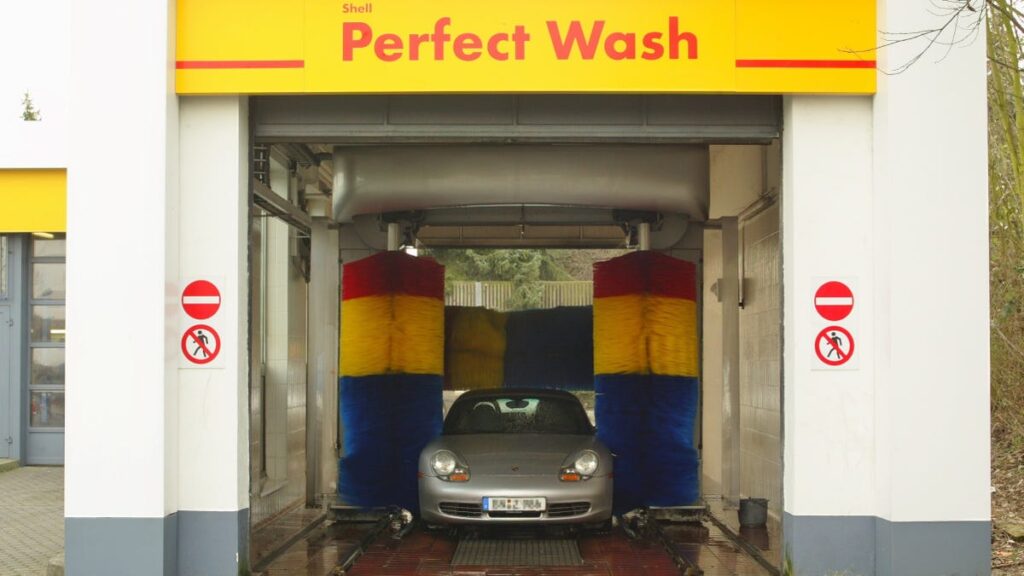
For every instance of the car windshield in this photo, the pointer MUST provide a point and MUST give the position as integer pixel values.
(517, 415)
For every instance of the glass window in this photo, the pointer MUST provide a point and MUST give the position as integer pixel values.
(47, 324)
(503, 413)
(48, 280)
(3, 267)
(47, 410)
(53, 247)
(47, 366)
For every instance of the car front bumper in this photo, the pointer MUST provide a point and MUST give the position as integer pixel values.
(586, 501)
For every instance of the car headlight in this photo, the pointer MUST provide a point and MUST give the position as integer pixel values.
(443, 463)
(586, 463)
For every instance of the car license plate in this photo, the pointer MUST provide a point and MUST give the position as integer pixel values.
(515, 504)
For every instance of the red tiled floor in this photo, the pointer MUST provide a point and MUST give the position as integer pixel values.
(424, 553)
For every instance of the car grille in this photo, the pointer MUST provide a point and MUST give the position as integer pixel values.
(568, 509)
(461, 509)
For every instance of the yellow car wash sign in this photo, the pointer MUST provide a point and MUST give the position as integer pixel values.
(416, 46)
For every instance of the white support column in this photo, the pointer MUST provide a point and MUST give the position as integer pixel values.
(121, 454)
(829, 450)
(213, 418)
(931, 249)
(887, 461)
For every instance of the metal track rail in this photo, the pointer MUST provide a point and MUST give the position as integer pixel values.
(288, 543)
(400, 522)
(643, 527)
(686, 566)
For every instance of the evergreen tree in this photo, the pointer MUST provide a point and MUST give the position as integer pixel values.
(30, 113)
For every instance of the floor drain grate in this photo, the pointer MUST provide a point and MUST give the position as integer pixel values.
(517, 553)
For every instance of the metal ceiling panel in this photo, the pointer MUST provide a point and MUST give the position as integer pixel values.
(517, 118)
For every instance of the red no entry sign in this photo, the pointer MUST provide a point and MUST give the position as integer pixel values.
(200, 299)
(834, 345)
(833, 301)
(200, 344)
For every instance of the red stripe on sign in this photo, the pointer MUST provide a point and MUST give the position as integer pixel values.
(237, 64)
(841, 64)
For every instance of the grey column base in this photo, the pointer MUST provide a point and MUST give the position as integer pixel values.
(866, 545)
(120, 546)
(187, 543)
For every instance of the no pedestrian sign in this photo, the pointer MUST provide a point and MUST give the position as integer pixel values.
(200, 344)
(834, 346)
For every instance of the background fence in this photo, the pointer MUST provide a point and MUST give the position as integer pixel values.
(495, 294)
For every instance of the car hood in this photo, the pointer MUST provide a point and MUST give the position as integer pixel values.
(515, 454)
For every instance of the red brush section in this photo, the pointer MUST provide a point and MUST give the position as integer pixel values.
(672, 277)
(645, 273)
(620, 276)
(393, 273)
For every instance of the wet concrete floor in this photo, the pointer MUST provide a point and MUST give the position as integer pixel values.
(422, 553)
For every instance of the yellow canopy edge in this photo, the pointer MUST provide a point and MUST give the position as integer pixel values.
(33, 200)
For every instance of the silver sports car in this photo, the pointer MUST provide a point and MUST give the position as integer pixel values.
(516, 455)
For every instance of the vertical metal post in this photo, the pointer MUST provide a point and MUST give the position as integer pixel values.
(322, 368)
(394, 236)
(729, 293)
(643, 232)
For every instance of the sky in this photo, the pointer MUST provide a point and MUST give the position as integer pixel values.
(34, 57)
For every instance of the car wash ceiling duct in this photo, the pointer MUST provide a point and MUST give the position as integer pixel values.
(671, 179)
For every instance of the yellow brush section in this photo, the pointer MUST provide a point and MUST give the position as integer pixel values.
(619, 343)
(392, 334)
(475, 349)
(671, 330)
(472, 371)
(644, 334)
(478, 330)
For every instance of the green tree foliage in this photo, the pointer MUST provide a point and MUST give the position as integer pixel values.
(525, 269)
(1005, 28)
(29, 113)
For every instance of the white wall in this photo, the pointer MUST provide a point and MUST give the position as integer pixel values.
(827, 232)
(122, 267)
(930, 245)
(892, 191)
(761, 359)
(214, 218)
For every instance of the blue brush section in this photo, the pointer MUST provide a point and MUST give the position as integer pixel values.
(672, 463)
(551, 348)
(387, 421)
(648, 422)
(621, 412)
